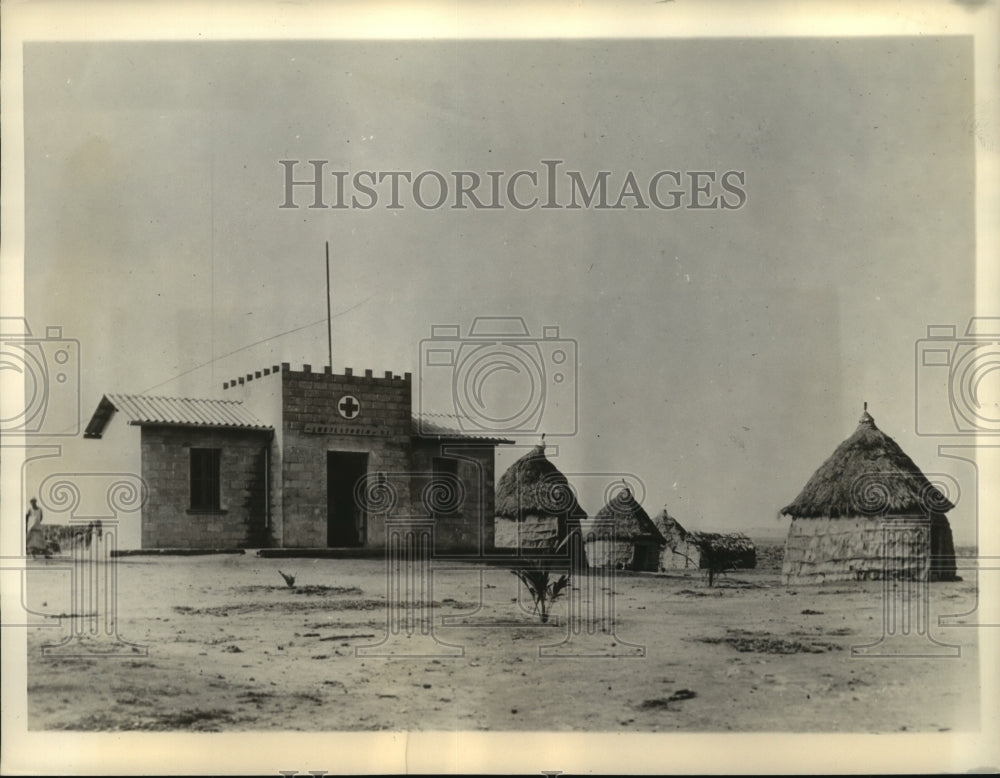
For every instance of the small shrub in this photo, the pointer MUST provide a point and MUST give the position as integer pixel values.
(537, 577)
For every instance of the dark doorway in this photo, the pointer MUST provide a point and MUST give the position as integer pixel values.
(345, 519)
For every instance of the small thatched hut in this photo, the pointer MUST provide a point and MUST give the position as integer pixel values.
(703, 550)
(536, 508)
(866, 513)
(637, 542)
(679, 552)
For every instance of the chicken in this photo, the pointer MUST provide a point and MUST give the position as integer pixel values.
(289, 579)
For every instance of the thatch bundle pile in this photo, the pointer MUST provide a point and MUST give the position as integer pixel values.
(536, 508)
(868, 512)
(623, 536)
(732, 551)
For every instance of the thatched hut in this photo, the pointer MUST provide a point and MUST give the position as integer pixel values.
(536, 508)
(703, 550)
(635, 542)
(866, 513)
(679, 551)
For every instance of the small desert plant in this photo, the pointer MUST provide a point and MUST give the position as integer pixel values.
(537, 577)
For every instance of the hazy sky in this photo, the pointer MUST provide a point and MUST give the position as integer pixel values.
(722, 354)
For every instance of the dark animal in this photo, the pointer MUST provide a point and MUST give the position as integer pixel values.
(289, 579)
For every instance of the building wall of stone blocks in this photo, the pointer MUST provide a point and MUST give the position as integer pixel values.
(260, 392)
(469, 526)
(168, 522)
(302, 405)
(312, 426)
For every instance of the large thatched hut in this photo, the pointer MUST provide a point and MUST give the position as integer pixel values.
(536, 508)
(623, 536)
(866, 513)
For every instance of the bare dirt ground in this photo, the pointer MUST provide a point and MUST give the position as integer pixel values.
(229, 647)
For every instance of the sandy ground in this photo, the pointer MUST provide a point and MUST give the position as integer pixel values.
(223, 644)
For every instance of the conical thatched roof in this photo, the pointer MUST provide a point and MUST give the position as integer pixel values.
(630, 521)
(533, 486)
(868, 474)
(667, 525)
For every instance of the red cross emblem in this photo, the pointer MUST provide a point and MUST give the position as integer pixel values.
(348, 407)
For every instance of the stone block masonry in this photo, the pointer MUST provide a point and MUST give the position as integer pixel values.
(319, 413)
(375, 420)
(306, 460)
(167, 518)
(467, 523)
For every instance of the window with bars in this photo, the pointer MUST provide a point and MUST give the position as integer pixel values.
(205, 482)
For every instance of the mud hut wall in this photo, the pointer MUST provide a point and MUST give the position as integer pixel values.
(679, 556)
(603, 552)
(943, 566)
(849, 549)
(646, 556)
(533, 533)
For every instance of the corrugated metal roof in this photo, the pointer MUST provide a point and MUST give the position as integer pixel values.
(447, 425)
(142, 409)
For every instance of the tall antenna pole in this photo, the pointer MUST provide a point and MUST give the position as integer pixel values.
(329, 326)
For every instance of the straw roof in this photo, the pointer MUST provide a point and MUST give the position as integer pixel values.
(732, 543)
(630, 521)
(868, 474)
(734, 547)
(732, 551)
(533, 486)
(668, 526)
